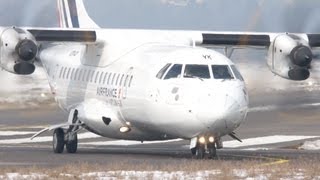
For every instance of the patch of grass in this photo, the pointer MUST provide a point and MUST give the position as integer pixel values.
(209, 169)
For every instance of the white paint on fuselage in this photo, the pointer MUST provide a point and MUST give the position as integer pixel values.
(205, 107)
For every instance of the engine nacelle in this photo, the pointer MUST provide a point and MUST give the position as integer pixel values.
(290, 57)
(18, 50)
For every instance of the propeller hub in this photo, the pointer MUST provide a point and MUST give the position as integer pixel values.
(301, 56)
(26, 50)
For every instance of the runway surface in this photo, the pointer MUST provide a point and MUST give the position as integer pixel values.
(276, 127)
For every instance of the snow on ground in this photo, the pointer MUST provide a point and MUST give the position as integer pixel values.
(311, 145)
(198, 175)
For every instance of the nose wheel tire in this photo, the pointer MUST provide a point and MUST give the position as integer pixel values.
(58, 141)
(72, 143)
(212, 151)
(200, 152)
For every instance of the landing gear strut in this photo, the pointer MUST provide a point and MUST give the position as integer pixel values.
(71, 142)
(68, 138)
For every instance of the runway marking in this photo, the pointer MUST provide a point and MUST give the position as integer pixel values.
(15, 133)
(277, 107)
(276, 162)
(87, 135)
(265, 140)
(4, 127)
(258, 141)
(272, 161)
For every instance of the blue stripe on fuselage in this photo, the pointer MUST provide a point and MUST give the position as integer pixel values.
(65, 14)
(74, 13)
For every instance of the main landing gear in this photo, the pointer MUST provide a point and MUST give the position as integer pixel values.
(205, 147)
(68, 138)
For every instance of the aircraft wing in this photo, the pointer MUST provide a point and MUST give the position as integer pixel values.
(236, 39)
(64, 35)
(289, 54)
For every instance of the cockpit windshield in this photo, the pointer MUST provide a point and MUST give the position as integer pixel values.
(221, 72)
(196, 71)
(163, 70)
(174, 72)
(201, 71)
(237, 73)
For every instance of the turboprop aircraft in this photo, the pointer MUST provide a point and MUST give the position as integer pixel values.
(147, 85)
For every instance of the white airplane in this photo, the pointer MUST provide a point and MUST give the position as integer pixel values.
(147, 85)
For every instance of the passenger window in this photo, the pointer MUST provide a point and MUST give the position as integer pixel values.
(130, 81)
(68, 73)
(105, 78)
(72, 73)
(197, 71)
(101, 77)
(237, 73)
(61, 70)
(174, 72)
(80, 74)
(162, 71)
(76, 74)
(84, 75)
(126, 81)
(91, 76)
(97, 75)
(113, 78)
(222, 72)
(121, 80)
(64, 73)
(117, 79)
(88, 75)
(109, 78)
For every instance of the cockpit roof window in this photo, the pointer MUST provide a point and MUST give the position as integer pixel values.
(196, 71)
(221, 72)
(163, 71)
(174, 72)
(237, 73)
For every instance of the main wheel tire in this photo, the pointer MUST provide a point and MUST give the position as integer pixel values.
(212, 152)
(193, 151)
(200, 152)
(72, 145)
(58, 141)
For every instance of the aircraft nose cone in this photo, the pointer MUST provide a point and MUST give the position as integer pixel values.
(225, 110)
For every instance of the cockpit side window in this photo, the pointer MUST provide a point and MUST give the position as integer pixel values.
(221, 72)
(174, 72)
(237, 73)
(196, 71)
(162, 71)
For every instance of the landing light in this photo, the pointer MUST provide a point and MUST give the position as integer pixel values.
(202, 140)
(128, 123)
(211, 139)
(125, 129)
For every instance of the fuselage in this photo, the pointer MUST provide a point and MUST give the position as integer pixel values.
(162, 91)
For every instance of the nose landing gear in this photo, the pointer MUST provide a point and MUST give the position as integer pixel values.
(202, 148)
